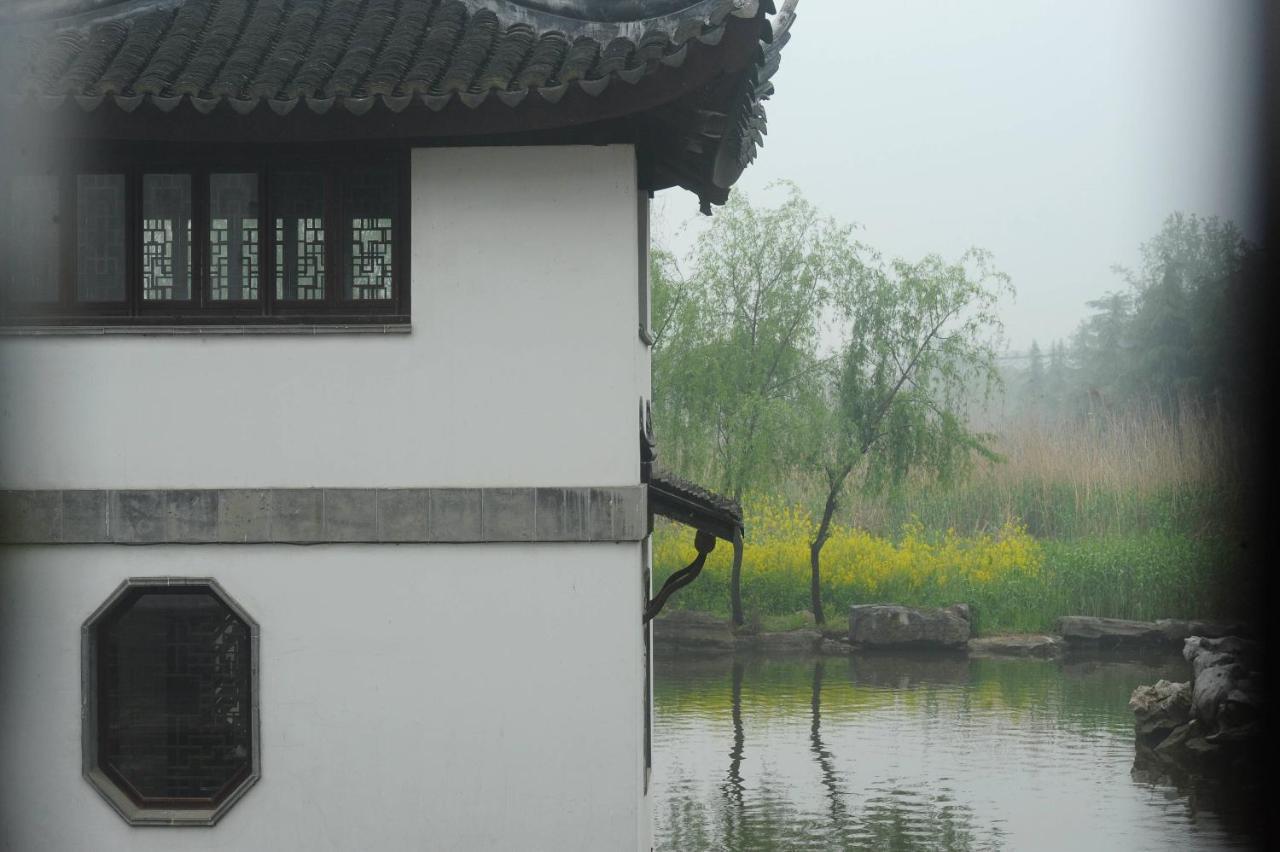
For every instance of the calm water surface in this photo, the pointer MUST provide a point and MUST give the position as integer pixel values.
(894, 752)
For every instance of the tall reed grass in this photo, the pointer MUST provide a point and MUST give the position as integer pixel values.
(1106, 474)
(1126, 515)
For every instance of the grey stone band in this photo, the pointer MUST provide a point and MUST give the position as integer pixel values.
(323, 515)
(188, 330)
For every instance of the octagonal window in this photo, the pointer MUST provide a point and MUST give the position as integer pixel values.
(171, 721)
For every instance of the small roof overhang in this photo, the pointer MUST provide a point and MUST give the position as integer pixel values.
(687, 503)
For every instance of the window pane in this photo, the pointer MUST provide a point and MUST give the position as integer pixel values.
(369, 199)
(31, 231)
(166, 237)
(100, 243)
(175, 713)
(233, 237)
(297, 202)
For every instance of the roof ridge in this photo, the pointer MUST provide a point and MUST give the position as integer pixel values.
(445, 28)
(219, 85)
(250, 9)
(378, 18)
(302, 22)
(384, 75)
(492, 77)
(76, 77)
(139, 28)
(151, 80)
(200, 46)
(322, 86)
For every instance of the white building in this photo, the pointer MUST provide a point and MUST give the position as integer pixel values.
(324, 364)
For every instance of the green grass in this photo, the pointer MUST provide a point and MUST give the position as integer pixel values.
(1131, 515)
(1142, 576)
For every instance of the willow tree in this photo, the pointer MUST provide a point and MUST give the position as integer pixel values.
(741, 347)
(920, 339)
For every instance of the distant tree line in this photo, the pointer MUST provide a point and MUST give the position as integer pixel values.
(1182, 328)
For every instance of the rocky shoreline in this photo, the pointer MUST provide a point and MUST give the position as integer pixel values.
(874, 627)
(1211, 725)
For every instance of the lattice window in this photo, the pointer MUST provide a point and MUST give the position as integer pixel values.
(100, 238)
(217, 236)
(31, 258)
(173, 724)
(233, 237)
(166, 237)
(369, 198)
(298, 201)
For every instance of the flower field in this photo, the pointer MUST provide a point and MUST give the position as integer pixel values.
(1133, 515)
(1012, 581)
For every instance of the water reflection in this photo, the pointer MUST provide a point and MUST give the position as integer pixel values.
(733, 786)
(917, 752)
(838, 810)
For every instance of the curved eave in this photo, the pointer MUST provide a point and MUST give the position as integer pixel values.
(687, 86)
(688, 503)
(416, 118)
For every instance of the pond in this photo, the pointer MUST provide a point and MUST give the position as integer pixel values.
(913, 752)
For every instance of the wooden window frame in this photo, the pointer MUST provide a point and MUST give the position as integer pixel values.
(116, 789)
(336, 163)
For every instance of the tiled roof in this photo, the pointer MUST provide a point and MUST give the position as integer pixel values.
(689, 503)
(693, 74)
(323, 53)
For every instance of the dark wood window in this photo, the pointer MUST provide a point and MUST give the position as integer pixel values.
(32, 265)
(174, 719)
(156, 236)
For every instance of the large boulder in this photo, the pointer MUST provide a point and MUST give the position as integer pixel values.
(1088, 631)
(894, 626)
(1159, 709)
(1177, 630)
(681, 631)
(1211, 726)
(1226, 693)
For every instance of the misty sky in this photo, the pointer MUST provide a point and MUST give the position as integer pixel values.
(1056, 134)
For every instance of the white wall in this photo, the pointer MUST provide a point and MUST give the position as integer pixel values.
(522, 368)
(463, 697)
(468, 697)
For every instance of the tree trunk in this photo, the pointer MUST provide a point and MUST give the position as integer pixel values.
(735, 574)
(735, 583)
(815, 547)
(815, 582)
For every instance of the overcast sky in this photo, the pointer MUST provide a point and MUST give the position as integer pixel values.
(1059, 135)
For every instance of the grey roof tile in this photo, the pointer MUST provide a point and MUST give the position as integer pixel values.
(228, 55)
(322, 49)
(684, 501)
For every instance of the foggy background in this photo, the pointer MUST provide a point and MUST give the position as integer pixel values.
(1057, 135)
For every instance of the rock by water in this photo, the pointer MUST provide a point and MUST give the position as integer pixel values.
(1210, 726)
(685, 632)
(894, 626)
(1088, 632)
(1109, 632)
(1020, 645)
(789, 642)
